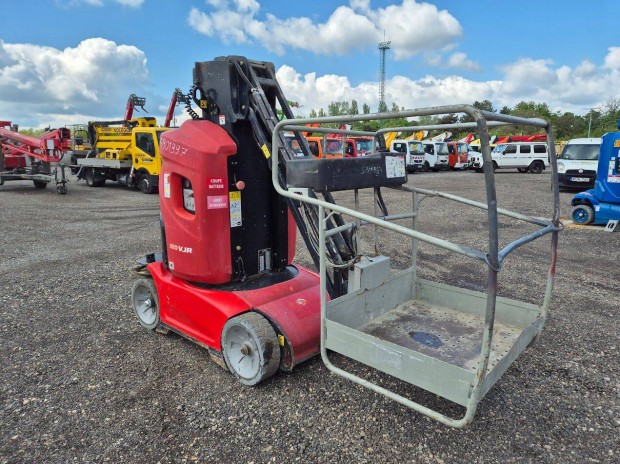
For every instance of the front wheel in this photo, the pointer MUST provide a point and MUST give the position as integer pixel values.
(582, 214)
(537, 167)
(250, 348)
(145, 303)
(426, 167)
(145, 184)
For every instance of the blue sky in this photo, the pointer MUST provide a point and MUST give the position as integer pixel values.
(73, 60)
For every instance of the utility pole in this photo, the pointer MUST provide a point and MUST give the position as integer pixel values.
(383, 47)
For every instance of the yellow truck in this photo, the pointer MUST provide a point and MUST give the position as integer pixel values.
(125, 151)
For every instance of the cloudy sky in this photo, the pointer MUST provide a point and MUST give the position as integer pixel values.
(70, 61)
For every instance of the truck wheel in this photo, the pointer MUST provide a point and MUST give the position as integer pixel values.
(39, 184)
(537, 167)
(145, 183)
(522, 170)
(479, 169)
(145, 303)
(582, 214)
(426, 167)
(89, 177)
(250, 348)
(495, 166)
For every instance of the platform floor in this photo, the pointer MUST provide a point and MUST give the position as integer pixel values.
(442, 333)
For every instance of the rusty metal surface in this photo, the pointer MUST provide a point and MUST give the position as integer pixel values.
(442, 333)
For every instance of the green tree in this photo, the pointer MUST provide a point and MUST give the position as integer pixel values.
(354, 109)
(366, 108)
(383, 107)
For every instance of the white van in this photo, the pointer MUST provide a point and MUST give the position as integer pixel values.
(524, 156)
(414, 153)
(436, 155)
(578, 163)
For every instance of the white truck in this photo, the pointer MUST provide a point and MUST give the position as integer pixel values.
(436, 155)
(414, 153)
(578, 163)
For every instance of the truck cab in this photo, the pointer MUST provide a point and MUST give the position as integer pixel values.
(436, 155)
(458, 155)
(414, 153)
(326, 147)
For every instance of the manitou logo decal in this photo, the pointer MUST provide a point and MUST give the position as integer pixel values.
(180, 249)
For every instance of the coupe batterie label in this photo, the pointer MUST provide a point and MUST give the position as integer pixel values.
(235, 209)
(217, 202)
(215, 183)
(222, 119)
(394, 166)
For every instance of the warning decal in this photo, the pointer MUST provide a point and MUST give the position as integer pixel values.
(235, 209)
(266, 151)
(217, 202)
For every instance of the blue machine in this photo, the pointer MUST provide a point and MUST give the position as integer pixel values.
(601, 205)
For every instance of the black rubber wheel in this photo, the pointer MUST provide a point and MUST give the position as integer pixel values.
(479, 170)
(250, 348)
(145, 184)
(426, 167)
(582, 214)
(523, 170)
(89, 177)
(495, 166)
(39, 184)
(145, 302)
(537, 167)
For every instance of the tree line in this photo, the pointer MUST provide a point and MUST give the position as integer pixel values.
(566, 125)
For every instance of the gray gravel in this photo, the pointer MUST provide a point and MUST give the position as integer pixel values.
(81, 381)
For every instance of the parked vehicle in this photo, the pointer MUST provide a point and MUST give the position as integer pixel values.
(601, 205)
(414, 153)
(458, 154)
(325, 147)
(435, 155)
(523, 156)
(577, 163)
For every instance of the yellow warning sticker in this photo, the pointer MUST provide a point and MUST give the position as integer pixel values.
(281, 340)
(234, 196)
(617, 144)
(266, 151)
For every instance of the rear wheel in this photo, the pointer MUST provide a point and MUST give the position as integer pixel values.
(39, 184)
(250, 348)
(523, 169)
(145, 303)
(91, 179)
(537, 167)
(582, 214)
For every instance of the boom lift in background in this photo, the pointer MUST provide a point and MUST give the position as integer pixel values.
(232, 192)
(601, 205)
(33, 158)
(125, 151)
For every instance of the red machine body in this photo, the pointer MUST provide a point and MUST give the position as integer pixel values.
(200, 313)
(203, 193)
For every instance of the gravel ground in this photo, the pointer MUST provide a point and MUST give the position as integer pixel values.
(80, 381)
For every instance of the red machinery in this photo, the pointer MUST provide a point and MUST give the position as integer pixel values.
(30, 158)
(177, 98)
(226, 278)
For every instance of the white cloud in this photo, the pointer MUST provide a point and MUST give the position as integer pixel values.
(317, 92)
(563, 88)
(412, 27)
(93, 78)
(459, 60)
(612, 60)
